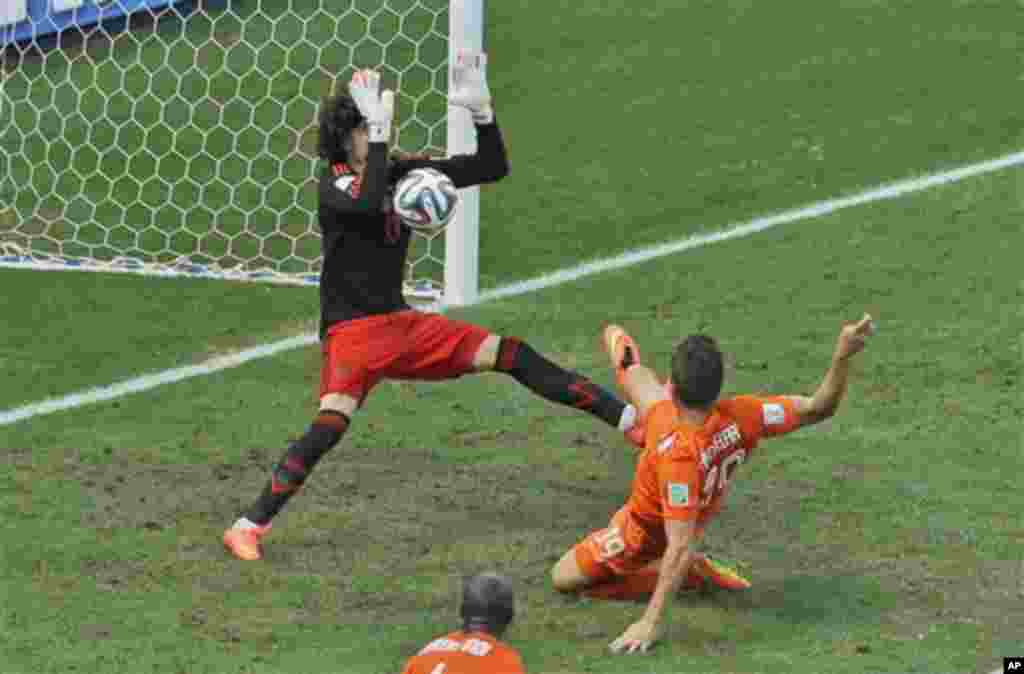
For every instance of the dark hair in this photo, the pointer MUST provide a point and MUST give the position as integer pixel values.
(487, 603)
(697, 371)
(338, 116)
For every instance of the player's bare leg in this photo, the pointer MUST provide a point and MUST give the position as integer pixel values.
(244, 537)
(568, 577)
(566, 574)
(516, 358)
(640, 383)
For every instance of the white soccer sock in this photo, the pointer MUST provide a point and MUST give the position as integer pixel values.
(245, 523)
(628, 419)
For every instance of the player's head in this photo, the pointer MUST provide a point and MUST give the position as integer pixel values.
(343, 135)
(487, 603)
(697, 371)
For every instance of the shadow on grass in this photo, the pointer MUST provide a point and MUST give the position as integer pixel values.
(821, 600)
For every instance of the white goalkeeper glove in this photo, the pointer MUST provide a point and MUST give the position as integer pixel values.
(469, 85)
(377, 108)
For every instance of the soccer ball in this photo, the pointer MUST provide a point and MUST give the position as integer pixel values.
(425, 199)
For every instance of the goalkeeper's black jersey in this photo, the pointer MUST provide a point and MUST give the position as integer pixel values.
(364, 244)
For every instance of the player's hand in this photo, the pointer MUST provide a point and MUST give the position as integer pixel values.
(468, 88)
(640, 636)
(853, 336)
(378, 108)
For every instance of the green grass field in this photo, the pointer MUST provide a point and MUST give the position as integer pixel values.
(886, 541)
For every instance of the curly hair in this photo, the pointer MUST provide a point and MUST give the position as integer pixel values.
(338, 116)
(697, 371)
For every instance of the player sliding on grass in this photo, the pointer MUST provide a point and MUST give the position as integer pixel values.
(694, 443)
(488, 607)
(368, 332)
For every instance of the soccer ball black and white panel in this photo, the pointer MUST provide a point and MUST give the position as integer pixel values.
(425, 199)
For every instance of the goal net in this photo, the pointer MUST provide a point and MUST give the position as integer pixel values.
(181, 140)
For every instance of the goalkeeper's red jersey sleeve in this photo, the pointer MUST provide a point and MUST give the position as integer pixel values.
(461, 653)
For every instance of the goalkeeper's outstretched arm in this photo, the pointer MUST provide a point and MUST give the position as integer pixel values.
(489, 164)
(469, 90)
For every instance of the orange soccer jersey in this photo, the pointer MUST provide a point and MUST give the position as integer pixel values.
(462, 653)
(683, 474)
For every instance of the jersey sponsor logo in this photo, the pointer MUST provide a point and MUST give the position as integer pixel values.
(678, 494)
(774, 414)
(723, 440)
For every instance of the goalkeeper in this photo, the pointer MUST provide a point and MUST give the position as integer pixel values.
(368, 332)
(694, 444)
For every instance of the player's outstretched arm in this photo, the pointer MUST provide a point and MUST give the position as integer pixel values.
(675, 565)
(825, 401)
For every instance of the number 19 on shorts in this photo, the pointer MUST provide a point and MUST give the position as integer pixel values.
(610, 542)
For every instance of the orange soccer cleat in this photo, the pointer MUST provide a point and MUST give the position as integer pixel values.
(706, 569)
(621, 349)
(244, 542)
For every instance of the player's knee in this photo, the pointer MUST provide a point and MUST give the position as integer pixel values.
(565, 579)
(556, 579)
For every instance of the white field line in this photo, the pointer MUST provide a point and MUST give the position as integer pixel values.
(150, 381)
(629, 258)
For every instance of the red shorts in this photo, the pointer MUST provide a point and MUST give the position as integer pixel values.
(402, 345)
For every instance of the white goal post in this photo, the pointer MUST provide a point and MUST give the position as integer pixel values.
(178, 137)
(462, 238)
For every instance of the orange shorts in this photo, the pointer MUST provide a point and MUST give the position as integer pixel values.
(621, 548)
(402, 345)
